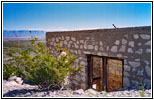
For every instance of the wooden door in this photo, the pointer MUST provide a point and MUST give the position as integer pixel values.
(97, 73)
(114, 74)
(104, 73)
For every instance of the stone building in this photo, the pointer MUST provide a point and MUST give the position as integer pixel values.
(112, 58)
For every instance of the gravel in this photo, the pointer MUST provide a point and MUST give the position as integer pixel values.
(14, 89)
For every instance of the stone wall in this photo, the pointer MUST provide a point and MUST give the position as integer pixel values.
(133, 45)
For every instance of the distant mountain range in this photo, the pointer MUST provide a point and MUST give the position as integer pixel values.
(8, 34)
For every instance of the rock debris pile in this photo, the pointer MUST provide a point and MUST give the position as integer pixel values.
(16, 87)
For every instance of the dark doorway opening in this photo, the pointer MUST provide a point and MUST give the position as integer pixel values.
(105, 73)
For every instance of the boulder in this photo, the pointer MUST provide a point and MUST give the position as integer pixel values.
(92, 91)
(78, 92)
(16, 79)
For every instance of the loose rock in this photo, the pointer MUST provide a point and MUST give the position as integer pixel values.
(13, 89)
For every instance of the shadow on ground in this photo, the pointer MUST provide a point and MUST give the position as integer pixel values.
(18, 93)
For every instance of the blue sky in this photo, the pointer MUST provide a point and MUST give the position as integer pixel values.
(74, 16)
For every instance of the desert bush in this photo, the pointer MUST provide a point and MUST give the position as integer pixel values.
(142, 91)
(37, 65)
(9, 70)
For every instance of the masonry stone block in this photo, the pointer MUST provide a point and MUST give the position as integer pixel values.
(90, 47)
(85, 46)
(77, 60)
(139, 44)
(48, 40)
(124, 41)
(144, 36)
(146, 62)
(79, 52)
(137, 59)
(82, 63)
(75, 51)
(73, 39)
(53, 39)
(148, 43)
(67, 38)
(55, 44)
(119, 55)
(135, 82)
(140, 72)
(126, 82)
(136, 36)
(140, 51)
(71, 51)
(83, 78)
(83, 86)
(126, 74)
(131, 43)
(99, 53)
(80, 58)
(101, 49)
(122, 49)
(93, 43)
(70, 42)
(65, 42)
(126, 36)
(69, 45)
(78, 77)
(134, 64)
(148, 50)
(83, 70)
(62, 38)
(86, 52)
(77, 42)
(101, 43)
(130, 50)
(51, 43)
(107, 48)
(127, 68)
(147, 82)
(125, 57)
(125, 61)
(134, 69)
(61, 43)
(87, 38)
(117, 42)
(76, 46)
(82, 41)
(92, 38)
(57, 39)
(81, 46)
(148, 70)
(96, 47)
(104, 54)
(114, 48)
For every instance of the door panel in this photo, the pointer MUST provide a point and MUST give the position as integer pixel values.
(104, 73)
(97, 73)
(114, 73)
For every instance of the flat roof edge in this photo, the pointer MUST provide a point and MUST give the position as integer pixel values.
(99, 29)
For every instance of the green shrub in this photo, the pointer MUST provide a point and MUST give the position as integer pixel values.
(37, 65)
(142, 92)
(9, 70)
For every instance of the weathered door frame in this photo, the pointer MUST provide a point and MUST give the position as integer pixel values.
(104, 65)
